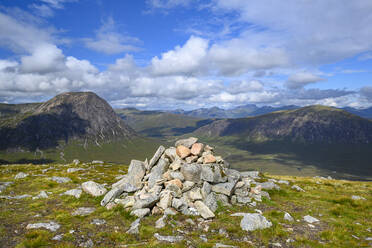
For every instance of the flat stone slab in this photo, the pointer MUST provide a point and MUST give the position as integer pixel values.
(61, 179)
(170, 239)
(83, 211)
(51, 226)
(310, 219)
(74, 192)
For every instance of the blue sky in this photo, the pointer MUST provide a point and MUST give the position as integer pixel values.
(166, 54)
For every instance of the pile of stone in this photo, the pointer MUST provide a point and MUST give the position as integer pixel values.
(188, 179)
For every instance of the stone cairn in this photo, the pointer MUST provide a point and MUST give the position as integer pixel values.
(187, 178)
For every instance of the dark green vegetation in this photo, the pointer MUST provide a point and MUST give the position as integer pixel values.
(160, 124)
(327, 200)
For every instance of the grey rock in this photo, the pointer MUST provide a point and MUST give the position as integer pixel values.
(195, 194)
(141, 212)
(61, 179)
(160, 223)
(233, 175)
(251, 174)
(133, 180)
(165, 200)
(159, 152)
(187, 185)
(211, 201)
(15, 197)
(203, 210)
(357, 197)
(171, 154)
(51, 226)
(76, 161)
(134, 227)
(157, 172)
(74, 192)
(220, 245)
(310, 219)
(4, 185)
(213, 173)
(174, 189)
(147, 202)
(288, 217)
(224, 188)
(93, 188)
(269, 185)
(186, 142)
(243, 199)
(97, 162)
(170, 239)
(177, 175)
(223, 199)
(98, 222)
(265, 194)
(42, 194)
(58, 237)
(178, 203)
(283, 182)
(251, 222)
(298, 188)
(21, 175)
(72, 170)
(127, 202)
(206, 189)
(111, 195)
(83, 211)
(170, 211)
(191, 172)
(87, 244)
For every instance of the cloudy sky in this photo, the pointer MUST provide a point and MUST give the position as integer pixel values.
(167, 54)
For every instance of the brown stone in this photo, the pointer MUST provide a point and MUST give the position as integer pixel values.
(208, 159)
(156, 210)
(197, 149)
(176, 182)
(256, 190)
(167, 176)
(183, 151)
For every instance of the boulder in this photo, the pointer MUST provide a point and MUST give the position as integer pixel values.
(51, 226)
(288, 217)
(186, 142)
(141, 212)
(183, 151)
(310, 219)
(224, 188)
(156, 157)
(157, 172)
(203, 210)
(93, 188)
(147, 202)
(171, 154)
(61, 179)
(213, 173)
(191, 172)
(251, 222)
(74, 192)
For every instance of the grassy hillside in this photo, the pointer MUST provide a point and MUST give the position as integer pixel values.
(116, 152)
(160, 124)
(343, 222)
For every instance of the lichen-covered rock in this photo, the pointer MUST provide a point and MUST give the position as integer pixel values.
(203, 210)
(156, 157)
(157, 172)
(93, 188)
(251, 222)
(191, 172)
(213, 173)
(146, 202)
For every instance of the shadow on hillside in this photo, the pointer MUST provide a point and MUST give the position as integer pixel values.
(27, 161)
(190, 129)
(351, 159)
(43, 131)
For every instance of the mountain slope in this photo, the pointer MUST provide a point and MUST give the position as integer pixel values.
(314, 124)
(68, 116)
(160, 124)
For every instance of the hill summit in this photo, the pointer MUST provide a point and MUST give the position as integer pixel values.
(72, 115)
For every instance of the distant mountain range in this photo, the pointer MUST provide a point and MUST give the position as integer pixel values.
(310, 125)
(254, 110)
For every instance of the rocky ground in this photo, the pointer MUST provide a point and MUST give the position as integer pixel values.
(55, 205)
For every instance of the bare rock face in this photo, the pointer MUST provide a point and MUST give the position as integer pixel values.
(178, 180)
